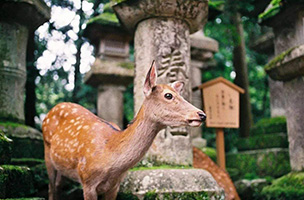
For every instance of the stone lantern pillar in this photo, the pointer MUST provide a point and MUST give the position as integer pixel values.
(112, 70)
(288, 66)
(162, 30)
(202, 51)
(265, 45)
(17, 20)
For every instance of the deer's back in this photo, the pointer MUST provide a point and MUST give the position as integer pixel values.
(75, 137)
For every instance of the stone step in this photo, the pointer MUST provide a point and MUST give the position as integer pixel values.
(277, 140)
(261, 163)
(180, 184)
(27, 141)
(15, 181)
(5, 149)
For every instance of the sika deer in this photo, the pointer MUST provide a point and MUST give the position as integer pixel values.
(89, 150)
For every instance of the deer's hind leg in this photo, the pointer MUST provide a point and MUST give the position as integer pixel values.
(52, 174)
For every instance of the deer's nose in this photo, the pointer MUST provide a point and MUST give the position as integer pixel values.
(202, 115)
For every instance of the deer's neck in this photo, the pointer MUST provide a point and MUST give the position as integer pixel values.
(136, 140)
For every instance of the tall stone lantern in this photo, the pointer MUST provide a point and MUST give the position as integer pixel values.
(162, 30)
(202, 51)
(112, 70)
(17, 20)
(161, 33)
(288, 66)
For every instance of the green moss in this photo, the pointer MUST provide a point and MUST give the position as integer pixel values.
(288, 187)
(5, 149)
(13, 125)
(127, 65)
(175, 195)
(108, 17)
(269, 125)
(263, 142)
(274, 162)
(233, 173)
(27, 148)
(33, 198)
(18, 181)
(40, 176)
(216, 5)
(278, 59)
(160, 167)
(211, 152)
(29, 162)
(273, 9)
(126, 196)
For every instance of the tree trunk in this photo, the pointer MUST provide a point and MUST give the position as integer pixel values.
(240, 67)
(30, 94)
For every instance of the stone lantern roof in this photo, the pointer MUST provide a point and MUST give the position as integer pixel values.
(202, 47)
(31, 13)
(275, 7)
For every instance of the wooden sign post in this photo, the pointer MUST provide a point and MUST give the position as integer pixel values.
(221, 104)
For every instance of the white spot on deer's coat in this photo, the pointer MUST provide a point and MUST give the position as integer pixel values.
(66, 114)
(62, 106)
(86, 127)
(72, 120)
(47, 120)
(78, 128)
(61, 112)
(74, 110)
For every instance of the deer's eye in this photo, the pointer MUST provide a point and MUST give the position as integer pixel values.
(168, 96)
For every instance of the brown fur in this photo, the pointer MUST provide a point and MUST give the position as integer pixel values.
(201, 160)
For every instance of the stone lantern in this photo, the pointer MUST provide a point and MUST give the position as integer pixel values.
(17, 20)
(265, 45)
(162, 33)
(202, 51)
(112, 70)
(288, 66)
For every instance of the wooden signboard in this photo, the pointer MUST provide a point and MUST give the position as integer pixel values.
(222, 107)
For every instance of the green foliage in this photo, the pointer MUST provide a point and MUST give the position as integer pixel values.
(269, 125)
(126, 196)
(233, 173)
(105, 19)
(261, 163)
(5, 149)
(18, 181)
(128, 104)
(40, 176)
(288, 187)
(211, 152)
(263, 142)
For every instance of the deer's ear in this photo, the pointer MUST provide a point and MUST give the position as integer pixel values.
(178, 86)
(150, 81)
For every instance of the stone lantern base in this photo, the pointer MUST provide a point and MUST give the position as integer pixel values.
(171, 184)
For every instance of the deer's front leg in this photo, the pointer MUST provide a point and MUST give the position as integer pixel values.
(111, 194)
(89, 193)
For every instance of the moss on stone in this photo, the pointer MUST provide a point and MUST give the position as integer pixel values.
(160, 167)
(5, 149)
(263, 142)
(108, 17)
(269, 126)
(40, 176)
(277, 61)
(18, 181)
(288, 187)
(233, 173)
(27, 148)
(272, 10)
(13, 125)
(175, 195)
(268, 162)
(29, 162)
(127, 65)
(126, 196)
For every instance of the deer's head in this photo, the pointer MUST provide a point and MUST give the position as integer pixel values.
(165, 105)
